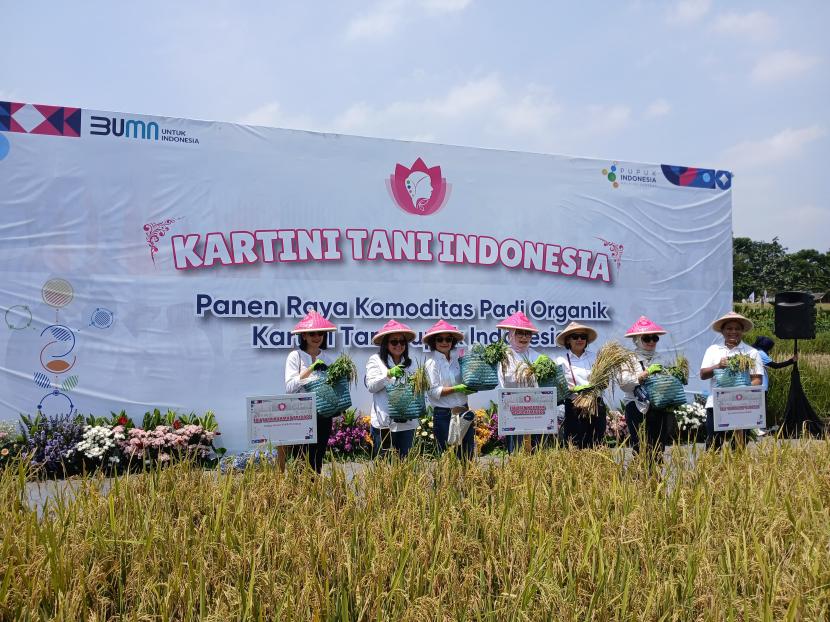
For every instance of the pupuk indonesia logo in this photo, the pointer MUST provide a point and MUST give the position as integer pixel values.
(418, 190)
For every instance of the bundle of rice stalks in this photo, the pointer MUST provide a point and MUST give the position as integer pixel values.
(680, 369)
(418, 380)
(740, 362)
(343, 367)
(541, 370)
(611, 359)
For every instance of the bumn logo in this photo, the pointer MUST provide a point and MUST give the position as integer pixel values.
(129, 128)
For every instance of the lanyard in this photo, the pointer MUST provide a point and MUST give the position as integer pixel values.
(571, 367)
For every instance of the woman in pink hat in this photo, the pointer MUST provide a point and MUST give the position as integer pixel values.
(579, 429)
(447, 394)
(639, 415)
(520, 331)
(381, 370)
(732, 327)
(300, 367)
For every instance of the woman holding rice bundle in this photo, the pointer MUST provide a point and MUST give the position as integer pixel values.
(732, 327)
(383, 369)
(639, 414)
(583, 429)
(301, 366)
(520, 331)
(447, 394)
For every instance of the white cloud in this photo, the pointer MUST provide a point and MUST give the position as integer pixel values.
(657, 108)
(271, 115)
(688, 11)
(601, 119)
(782, 65)
(755, 25)
(784, 145)
(386, 16)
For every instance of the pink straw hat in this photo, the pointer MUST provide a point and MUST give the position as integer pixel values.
(517, 321)
(645, 326)
(393, 326)
(313, 322)
(443, 327)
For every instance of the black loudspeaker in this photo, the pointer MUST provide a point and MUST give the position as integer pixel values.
(795, 315)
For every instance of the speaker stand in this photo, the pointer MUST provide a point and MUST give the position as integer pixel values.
(799, 416)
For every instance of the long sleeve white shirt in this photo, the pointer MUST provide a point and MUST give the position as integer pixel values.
(443, 373)
(296, 363)
(716, 352)
(577, 368)
(508, 374)
(377, 379)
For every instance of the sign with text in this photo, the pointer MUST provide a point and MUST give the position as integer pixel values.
(162, 262)
(739, 408)
(282, 419)
(527, 411)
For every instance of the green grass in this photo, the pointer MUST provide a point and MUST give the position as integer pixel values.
(567, 535)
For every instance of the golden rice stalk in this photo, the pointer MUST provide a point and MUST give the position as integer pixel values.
(680, 368)
(611, 359)
(740, 362)
(418, 380)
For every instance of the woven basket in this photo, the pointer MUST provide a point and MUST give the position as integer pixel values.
(664, 391)
(477, 374)
(729, 378)
(404, 403)
(331, 399)
(560, 382)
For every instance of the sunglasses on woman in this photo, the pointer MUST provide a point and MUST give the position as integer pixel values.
(650, 338)
(443, 339)
(579, 336)
(315, 334)
(397, 342)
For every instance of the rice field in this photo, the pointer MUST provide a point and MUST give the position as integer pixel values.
(562, 534)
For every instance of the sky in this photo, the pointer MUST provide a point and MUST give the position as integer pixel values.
(742, 86)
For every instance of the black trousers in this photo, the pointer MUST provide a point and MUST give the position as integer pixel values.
(316, 453)
(655, 426)
(581, 431)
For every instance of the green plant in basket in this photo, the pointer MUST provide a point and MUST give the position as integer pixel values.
(494, 353)
(543, 369)
(679, 369)
(343, 367)
(740, 363)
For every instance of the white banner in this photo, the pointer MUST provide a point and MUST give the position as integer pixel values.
(158, 262)
(528, 411)
(282, 419)
(739, 408)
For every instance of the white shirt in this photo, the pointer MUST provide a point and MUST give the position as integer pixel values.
(716, 352)
(508, 376)
(628, 374)
(577, 368)
(376, 380)
(296, 363)
(443, 373)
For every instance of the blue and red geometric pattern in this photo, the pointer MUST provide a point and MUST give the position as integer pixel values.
(40, 119)
(697, 177)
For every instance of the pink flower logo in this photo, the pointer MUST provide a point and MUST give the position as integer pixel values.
(527, 398)
(281, 407)
(418, 190)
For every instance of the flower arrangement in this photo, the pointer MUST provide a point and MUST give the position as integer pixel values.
(690, 417)
(10, 442)
(616, 430)
(350, 435)
(487, 430)
(425, 435)
(67, 444)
